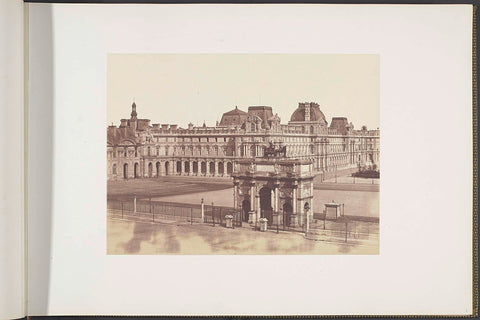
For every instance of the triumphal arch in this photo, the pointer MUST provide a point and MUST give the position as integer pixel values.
(280, 190)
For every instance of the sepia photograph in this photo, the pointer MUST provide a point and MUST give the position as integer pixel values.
(233, 154)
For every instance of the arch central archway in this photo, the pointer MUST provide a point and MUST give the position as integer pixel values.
(245, 209)
(266, 210)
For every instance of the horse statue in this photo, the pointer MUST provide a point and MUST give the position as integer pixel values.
(273, 151)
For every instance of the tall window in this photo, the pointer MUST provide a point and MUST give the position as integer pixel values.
(114, 169)
(252, 127)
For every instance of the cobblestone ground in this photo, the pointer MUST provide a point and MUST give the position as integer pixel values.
(170, 237)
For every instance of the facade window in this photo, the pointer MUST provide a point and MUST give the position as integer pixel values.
(158, 151)
(114, 169)
(125, 152)
(136, 152)
(114, 153)
(252, 126)
(148, 150)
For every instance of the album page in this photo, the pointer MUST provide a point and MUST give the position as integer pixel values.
(250, 159)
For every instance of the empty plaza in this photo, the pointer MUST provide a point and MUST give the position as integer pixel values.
(137, 234)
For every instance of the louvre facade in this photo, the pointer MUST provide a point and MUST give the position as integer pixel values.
(138, 149)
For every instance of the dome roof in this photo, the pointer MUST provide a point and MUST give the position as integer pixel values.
(309, 112)
(235, 117)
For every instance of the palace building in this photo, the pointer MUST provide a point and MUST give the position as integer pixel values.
(138, 149)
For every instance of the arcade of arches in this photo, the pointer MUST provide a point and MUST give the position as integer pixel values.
(151, 169)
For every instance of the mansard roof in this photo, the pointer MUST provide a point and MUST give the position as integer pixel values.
(316, 115)
(235, 117)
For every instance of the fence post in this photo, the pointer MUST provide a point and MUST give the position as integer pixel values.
(203, 210)
(134, 204)
(191, 215)
(213, 216)
(122, 209)
(153, 213)
(150, 201)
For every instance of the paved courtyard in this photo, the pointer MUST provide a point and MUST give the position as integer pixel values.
(174, 237)
(170, 237)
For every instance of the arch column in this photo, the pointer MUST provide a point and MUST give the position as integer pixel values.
(276, 198)
(190, 171)
(257, 209)
(182, 167)
(235, 195)
(216, 169)
(294, 200)
(252, 196)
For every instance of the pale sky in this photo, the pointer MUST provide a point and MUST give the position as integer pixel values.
(183, 88)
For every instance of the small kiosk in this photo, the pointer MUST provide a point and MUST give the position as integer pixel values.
(333, 210)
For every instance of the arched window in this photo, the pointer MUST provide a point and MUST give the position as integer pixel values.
(252, 126)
